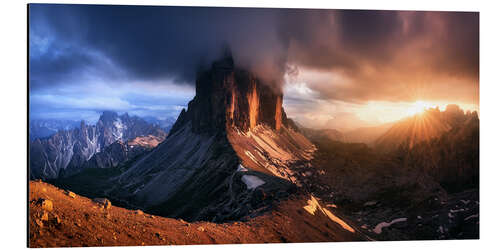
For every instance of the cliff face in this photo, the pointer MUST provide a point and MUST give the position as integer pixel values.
(230, 97)
(231, 153)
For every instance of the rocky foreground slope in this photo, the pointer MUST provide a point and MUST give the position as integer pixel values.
(59, 218)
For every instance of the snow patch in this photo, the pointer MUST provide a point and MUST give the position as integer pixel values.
(120, 127)
(369, 203)
(241, 168)
(381, 225)
(472, 216)
(252, 181)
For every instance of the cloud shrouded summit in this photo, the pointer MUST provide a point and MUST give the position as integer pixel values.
(342, 55)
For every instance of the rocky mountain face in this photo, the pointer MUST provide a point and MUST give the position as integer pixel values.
(229, 156)
(452, 158)
(117, 153)
(231, 97)
(68, 150)
(113, 127)
(443, 145)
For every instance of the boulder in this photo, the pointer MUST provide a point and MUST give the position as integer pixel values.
(39, 223)
(70, 194)
(105, 203)
(45, 216)
(45, 204)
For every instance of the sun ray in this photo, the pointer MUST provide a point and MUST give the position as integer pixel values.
(418, 107)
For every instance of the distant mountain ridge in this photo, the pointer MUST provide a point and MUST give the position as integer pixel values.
(423, 127)
(41, 128)
(70, 149)
(331, 134)
(452, 157)
(166, 124)
(367, 135)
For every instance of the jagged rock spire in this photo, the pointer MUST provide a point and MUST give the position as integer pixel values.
(229, 96)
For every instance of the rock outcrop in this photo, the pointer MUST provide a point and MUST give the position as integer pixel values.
(227, 96)
(117, 153)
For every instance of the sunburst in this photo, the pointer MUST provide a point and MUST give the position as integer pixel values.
(418, 107)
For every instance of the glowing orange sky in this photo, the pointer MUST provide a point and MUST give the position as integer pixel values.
(368, 68)
(307, 107)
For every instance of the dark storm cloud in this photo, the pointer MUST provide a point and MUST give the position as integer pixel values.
(154, 42)
(383, 54)
(366, 55)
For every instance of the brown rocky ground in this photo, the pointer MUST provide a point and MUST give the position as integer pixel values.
(78, 221)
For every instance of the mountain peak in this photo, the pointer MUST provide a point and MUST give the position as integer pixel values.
(108, 115)
(226, 62)
(227, 96)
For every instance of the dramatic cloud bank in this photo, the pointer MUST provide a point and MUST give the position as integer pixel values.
(330, 63)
